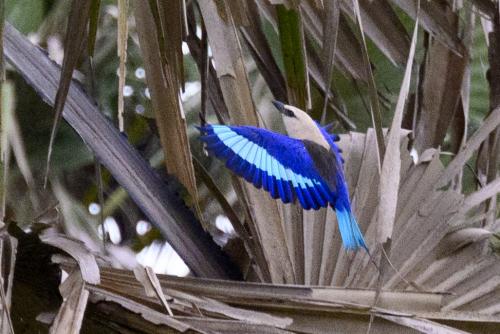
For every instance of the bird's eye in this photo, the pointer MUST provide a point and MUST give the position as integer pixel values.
(288, 112)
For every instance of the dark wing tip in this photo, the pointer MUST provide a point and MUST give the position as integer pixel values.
(204, 129)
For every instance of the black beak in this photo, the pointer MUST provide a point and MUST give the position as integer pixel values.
(279, 105)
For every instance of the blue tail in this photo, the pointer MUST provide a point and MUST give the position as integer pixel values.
(352, 237)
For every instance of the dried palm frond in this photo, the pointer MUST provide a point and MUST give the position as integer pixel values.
(437, 271)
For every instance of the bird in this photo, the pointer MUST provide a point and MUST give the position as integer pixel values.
(305, 166)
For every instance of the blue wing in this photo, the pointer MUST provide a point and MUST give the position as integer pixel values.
(279, 164)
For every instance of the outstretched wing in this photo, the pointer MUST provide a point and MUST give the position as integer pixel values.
(279, 164)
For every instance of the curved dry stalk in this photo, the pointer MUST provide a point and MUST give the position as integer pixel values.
(157, 199)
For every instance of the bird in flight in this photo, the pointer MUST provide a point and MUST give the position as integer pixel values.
(305, 166)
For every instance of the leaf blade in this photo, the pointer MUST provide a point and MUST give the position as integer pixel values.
(169, 114)
(391, 166)
(74, 40)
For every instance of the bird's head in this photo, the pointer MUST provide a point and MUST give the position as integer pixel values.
(299, 124)
(291, 114)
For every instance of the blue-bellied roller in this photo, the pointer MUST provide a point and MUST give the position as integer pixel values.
(306, 165)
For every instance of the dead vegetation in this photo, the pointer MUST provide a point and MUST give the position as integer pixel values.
(433, 238)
